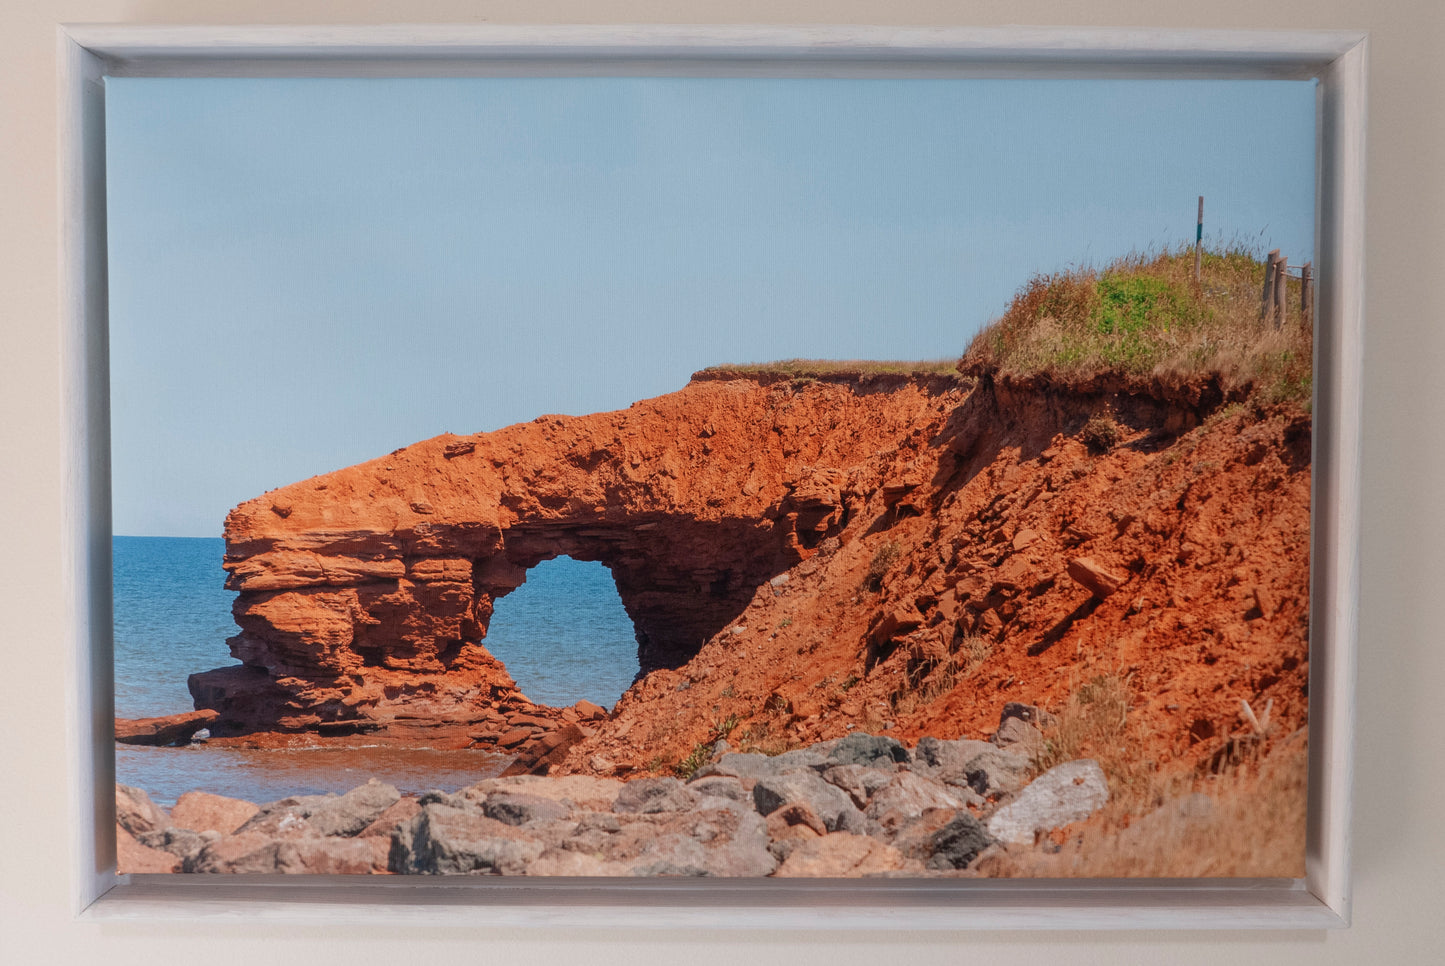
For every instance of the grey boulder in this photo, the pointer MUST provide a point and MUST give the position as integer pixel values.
(1065, 793)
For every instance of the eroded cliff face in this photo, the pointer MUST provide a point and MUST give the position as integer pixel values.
(1006, 559)
(800, 559)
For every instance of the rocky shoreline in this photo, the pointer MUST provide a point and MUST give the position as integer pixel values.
(862, 805)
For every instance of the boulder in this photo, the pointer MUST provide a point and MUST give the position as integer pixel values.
(587, 711)
(651, 795)
(828, 802)
(906, 798)
(183, 843)
(1029, 713)
(792, 820)
(751, 765)
(538, 756)
(721, 786)
(344, 815)
(519, 808)
(871, 750)
(839, 856)
(202, 811)
(136, 813)
(442, 840)
(1065, 793)
(568, 862)
(958, 843)
(398, 814)
(1094, 578)
(257, 852)
(859, 781)
(1020, 737)
(948, 755)
(582, 792)
(705, 842)
(132, 856)
(997, 771)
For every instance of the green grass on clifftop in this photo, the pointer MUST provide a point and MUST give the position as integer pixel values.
(1146, 317)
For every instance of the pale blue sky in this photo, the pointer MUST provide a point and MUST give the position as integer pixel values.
(305, 274)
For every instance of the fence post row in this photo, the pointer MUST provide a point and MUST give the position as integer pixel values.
(1273, 300)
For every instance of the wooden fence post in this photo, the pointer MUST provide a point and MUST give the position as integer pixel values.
(1307, 294)
(1266, 298)
(1281, 282)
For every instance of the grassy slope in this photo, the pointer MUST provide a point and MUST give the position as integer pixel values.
(1145, 317)
(1142, 317)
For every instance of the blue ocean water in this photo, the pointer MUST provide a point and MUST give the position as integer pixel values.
(172, 618)
(563, 635)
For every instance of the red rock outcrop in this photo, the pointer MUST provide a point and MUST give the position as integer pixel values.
(365, 593)
(800, 558)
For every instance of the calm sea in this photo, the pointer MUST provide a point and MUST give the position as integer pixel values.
(563, 635)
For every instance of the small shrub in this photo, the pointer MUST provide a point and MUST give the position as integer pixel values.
(702, 751)
(1091, 724)
(698, 757)
(878, 568)
(1101, 434)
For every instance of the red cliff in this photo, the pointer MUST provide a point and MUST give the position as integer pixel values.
(799, 558)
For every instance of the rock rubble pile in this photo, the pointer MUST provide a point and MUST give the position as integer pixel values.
(862, 805)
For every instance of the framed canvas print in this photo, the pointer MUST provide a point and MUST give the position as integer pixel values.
(833, 475)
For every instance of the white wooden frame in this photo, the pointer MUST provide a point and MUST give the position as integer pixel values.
(88, 53)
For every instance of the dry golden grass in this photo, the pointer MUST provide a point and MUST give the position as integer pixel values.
(928, 676)
(1144, 316)
(1095, 723)
(1247, 822)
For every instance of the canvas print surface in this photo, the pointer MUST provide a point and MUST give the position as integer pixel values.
(540, 477)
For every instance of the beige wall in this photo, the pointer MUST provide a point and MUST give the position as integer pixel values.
(1398, 832)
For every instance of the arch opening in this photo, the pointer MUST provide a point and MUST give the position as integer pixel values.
(564, 634)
